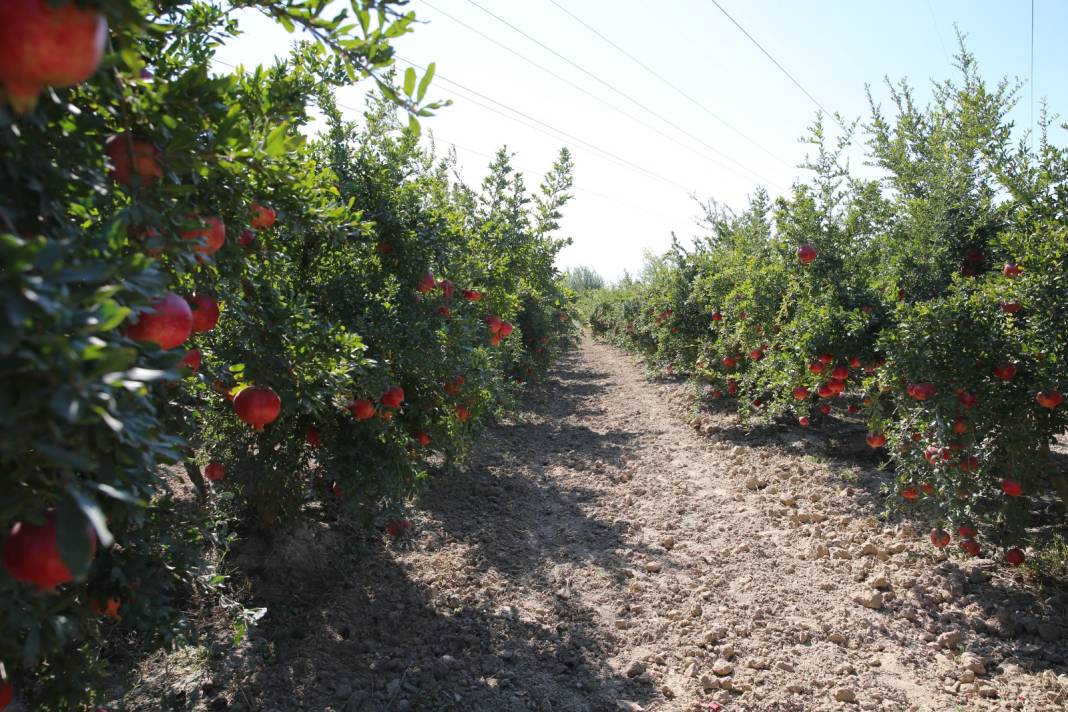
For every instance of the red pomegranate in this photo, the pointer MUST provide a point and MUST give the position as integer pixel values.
(493, 322)
(910, 493)
(311, 436)
(213, 234)
(806, 253)
(446, 287)
(192, 360)
(42, 45)
(1011, 307)
(840, 372)
(717, 316)
(472, 295)
(392, 397)
(1012, 488)
(815, 367)
(803, 421)
(246, 238)
(214, 471)
(362, 409)
(262, 217)
(967, 532)
(168, 323)
(505, 330)
(396, 527)
(729, 362)
(462, 413)
(454, 385)
(205, 312)
(423, 438)
(31, 554)
(939, 538)
(1014, 556)
(257, 406)
(445, 312)
(1011, 269)
(876, 440)
(800, 393)
(7, 693)
(426, 283)
(133, 158)
(1005, 371)
(825, 408)
(1049, 399)
(970, 547)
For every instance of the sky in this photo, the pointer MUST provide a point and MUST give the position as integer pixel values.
(709, 115)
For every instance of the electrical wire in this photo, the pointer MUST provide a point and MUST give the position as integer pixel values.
(670, 84)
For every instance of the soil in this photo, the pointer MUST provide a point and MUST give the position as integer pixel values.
(608, 550)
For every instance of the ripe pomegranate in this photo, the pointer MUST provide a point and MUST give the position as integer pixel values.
(472, 295)
(970, 547)
(732, 387)
(967, 399)
(192, 360)
(462, 413)
(446, 287)
(205, 312)
(168, 323)
(110, 609)
(716, 316)
(213, 233)
(42, 45)
(454, 385)
(31, 554)
(1011, 269)
(876, 440)
(1011, 307)
(495, 340)
(825, 408)
(311, 436)
(214, 471)
(853, 409)
(247, 238)
(816, 368)
(966, 532)
(939, 538)
(1049, 399)
(926, 488)
(392, 397)
(445, 312)
(800, 393)
(133, 158)
(7, 693)
(729, 362)
(806, 253)
(262, 217)
(1014, 556)
(1005, 371)
(336, 489)
(396, 527)
(840, 372)
(363, 409)
(921, 391)
(825, 391)
(386, 415)
(1011, 487)
(960, 425)
(257, 406)
(910, 493)
(426, 283)
(423, 438)
(505, 330)
(803, 421)
(493, 322)
(837, 386)
(854, 361)
(826, 359)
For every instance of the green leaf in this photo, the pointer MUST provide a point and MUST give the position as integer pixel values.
(93, 513)
(72, 538)
(409, 81)
(424, 84)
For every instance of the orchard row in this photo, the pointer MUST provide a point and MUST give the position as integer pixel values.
(210, 323)
(931, 302)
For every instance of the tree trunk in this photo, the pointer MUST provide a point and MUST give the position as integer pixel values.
(193, 470)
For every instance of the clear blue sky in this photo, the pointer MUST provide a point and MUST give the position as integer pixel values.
(832, 47)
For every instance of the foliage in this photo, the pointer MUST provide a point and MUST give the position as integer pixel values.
(321, 302)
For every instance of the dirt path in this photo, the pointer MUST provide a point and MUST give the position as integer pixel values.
(601, 554)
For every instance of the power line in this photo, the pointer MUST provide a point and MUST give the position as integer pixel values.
(670, 84)
(776, 63)
(584, 91)
(601, 151)
(934, 22)
(623, 94)
(1031, 81)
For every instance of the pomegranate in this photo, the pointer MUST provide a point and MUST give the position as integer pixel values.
(214, 471)
(262, 217)
(31, 554)
(729, 362)
(910, 493)
(213, 234)
(1005, 371)
(247, 238)
(192, 360)
(463, 413)
(133, 158)
(363, 409)
(825, 408)
(44, 45)
(396, 527)
(446, 287)
(939, 538)
(806, 253)
(840, 372)
(1011, 307)
(257, 406)
(205, 312)
(7, 693)
(717, 316)
(826, 359)
(505, 330)
(756, 354)
(454, 385)
(472, 295)
(392, 397)
(816, 368)
(967, 532)
(1012, 488)
(495, 340)
(825, 391)
(876, 440)
(803, 421)
(423, 438)
(921, 391)
(970, 547)
(1014, 556)
(426, 283)
(1011, 269)
(493, 322)
(168, 324)
(110, 608)
(800, 393)
(445, 312)
(311, 436)
(1049, 399)
(967, 399)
